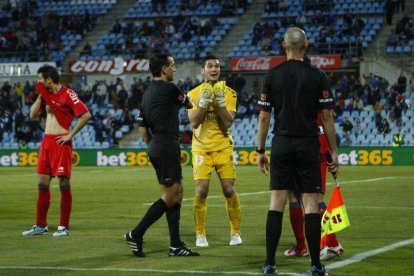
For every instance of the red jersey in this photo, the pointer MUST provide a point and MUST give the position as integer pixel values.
(323, 140)
(65, 104)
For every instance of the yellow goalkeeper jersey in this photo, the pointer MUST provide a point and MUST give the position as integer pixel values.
(212, 135)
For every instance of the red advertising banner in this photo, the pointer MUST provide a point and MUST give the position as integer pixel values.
(116, 66)
(266, 63)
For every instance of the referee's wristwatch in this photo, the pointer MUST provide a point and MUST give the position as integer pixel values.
(260, 151)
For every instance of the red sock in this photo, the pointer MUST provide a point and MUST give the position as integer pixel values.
(331, 240)
(43, 203)
(65, 205)
(297, 221)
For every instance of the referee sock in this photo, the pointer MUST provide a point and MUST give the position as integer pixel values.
(331, 240)
(273, 233)
(313, 236)
(65, 205)
(43, 203)
(200, 213)
(234, 212)
(173, 218)
(297, 221)
(154, 212)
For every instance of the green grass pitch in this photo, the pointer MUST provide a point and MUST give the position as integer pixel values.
(108, 201)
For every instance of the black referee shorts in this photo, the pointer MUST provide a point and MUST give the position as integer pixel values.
(295, 164)
(165, 156)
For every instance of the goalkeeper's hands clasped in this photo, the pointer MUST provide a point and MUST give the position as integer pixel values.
(220, 93)
(206, 95)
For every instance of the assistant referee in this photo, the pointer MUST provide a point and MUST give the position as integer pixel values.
(297, 91)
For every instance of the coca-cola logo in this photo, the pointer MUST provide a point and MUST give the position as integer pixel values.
(255, 64)
(116, 66)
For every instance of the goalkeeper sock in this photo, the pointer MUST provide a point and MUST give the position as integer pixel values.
(297, 221)
(43, 203)
(154, 212)
(65, 205)
(273, 233)
(233, 210)
(200, 213)
(313, 236)
(173, 218)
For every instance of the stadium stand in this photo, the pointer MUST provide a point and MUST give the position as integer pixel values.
(190, 30)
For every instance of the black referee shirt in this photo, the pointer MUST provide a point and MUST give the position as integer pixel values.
(297, 91)
(159, 109)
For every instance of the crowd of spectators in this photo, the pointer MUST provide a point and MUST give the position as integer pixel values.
(113, 104)
(35, 38)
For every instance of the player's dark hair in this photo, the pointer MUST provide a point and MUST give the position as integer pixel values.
(156, 63)
(49, 71)
(208, 57)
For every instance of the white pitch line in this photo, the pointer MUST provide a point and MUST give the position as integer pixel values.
(140, 270)
(328, 183)
(355, 259)
(359, 257)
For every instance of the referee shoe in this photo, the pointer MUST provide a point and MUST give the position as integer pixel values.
(135, 245)
(182, 251)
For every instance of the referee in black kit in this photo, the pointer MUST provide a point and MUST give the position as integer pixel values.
(158, 124)
(297, 92)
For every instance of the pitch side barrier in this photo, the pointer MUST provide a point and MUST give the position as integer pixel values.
(353, 156)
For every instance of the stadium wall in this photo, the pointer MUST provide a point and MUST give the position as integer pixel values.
(353, 156)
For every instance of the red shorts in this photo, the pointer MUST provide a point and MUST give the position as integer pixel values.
(55, 159)
(324, 169)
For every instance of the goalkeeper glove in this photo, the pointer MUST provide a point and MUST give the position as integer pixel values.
(206, 95)
(220, 93)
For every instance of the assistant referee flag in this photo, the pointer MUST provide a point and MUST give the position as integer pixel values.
(335, 217)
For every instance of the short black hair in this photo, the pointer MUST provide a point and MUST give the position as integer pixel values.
(156, 63)
(208, 57)
(49, 71)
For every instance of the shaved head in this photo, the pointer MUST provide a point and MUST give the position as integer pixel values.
(295, 39)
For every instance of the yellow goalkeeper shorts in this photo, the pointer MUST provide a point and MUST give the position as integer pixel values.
(221, 161)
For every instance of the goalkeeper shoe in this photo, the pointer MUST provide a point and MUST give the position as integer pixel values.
(182, 251)
(328, 253)
(314, 271)
(36, 230)
(201, 241)
(235, 239)
(62, 231)
(295, 252)
(135, 245)
(269, 270)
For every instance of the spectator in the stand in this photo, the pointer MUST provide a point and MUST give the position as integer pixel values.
(101, 92)
(358, 104)
(301, 20)
(117, 27)
(87, 49)
(389, 11)
(397, 139)
(358, 127)
(378, 107)
(239, 84)
(384, 127)
(188, 84)
(86, 88)
(20, 93)
(396, 114)
(402, 83)
(346, 125)
(19, 118)
(337, 110)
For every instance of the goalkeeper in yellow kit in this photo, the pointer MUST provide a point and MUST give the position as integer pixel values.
(212, 147)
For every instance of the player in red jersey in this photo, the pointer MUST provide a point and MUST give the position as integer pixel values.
(333, 248)
(62, 105)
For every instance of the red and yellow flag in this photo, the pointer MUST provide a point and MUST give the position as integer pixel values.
(335, 217)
